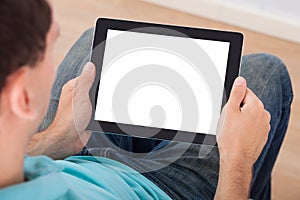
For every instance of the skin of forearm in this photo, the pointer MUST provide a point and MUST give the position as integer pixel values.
(234, 180)
(46, 143)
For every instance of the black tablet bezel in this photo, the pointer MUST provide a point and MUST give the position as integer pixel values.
(233, 64)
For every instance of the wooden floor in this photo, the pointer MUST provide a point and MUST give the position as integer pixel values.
(77, 15)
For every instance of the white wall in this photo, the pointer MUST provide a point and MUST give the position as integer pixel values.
(289, 8)
(279, 18)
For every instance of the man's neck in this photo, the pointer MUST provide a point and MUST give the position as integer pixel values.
(12, 151)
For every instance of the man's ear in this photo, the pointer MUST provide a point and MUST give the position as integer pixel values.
(18, 95)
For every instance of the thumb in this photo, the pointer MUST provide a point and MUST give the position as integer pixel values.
(87, 76)
(237, 93)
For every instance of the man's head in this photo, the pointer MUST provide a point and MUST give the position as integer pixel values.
(27, 36)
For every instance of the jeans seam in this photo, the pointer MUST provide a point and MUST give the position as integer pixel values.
(106, 152)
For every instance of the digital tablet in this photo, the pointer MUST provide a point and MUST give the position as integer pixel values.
(161, 81)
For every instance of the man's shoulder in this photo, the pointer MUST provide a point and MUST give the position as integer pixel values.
(92, 177)
(46, 178)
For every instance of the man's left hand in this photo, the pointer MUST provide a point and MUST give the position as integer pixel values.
(66, 135)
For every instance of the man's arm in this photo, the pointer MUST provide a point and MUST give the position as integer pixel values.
(242, 133)
(66, 135)
(234, 180)
(55, 144)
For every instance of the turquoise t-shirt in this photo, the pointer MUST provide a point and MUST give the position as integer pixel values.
(81, 177)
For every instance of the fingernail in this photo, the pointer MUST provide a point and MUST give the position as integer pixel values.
(89, 67)
(239, 81)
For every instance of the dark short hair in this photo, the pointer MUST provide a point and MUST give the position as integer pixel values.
(24, 25)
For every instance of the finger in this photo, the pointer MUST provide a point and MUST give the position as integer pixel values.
(251, 101)
(84, 137)
(268, 116)
(70, 85)
(81, 141)
(221, 124)
(237, 93)
(86, 79)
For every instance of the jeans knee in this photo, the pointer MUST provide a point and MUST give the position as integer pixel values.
(267, 75)
(262, 64)
(262, 67)
(88, 33)
(279, 72)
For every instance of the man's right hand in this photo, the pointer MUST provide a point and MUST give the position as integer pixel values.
(242, 133)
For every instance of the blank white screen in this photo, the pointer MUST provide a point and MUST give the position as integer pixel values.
(149, 95)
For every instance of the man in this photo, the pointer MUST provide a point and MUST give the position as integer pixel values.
(28, 33)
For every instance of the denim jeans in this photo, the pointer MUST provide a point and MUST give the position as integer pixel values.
(182, 170)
